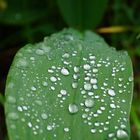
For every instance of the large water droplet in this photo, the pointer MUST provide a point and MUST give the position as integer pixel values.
(89, 102)
(73, 108)
(64, 71)
(121, 134)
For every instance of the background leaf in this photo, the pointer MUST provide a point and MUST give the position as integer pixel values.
(82, 14)
(71, 86)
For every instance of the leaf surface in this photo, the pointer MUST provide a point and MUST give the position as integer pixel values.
(70, 86)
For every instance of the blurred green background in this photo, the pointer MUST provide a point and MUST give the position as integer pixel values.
(24, 21)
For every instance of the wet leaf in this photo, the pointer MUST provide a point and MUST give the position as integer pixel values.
(71, 86)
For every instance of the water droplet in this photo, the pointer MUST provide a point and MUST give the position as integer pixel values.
(86, 67)
(44, 83)
(11, 99)
(111, 92)
(90, 93)
(53, 79)
(93, 130)
(30, 124)
(89, 102)
(112, 106)
(87, 86)
(130, 79)
(33, 88)
(73, 108)
(44, 116)
(66, 129)
(84, 116)
(63, 92)
(66, 55)
(93, 81)
(74, 85)
(19, 108)
(13, 116)
(121, 134)
(64, 71)
(49, 127)
(95, 70)
(76, 69)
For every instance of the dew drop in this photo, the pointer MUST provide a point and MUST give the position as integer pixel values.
(66, 129)
(86, 67)
(53, 79)
(121, 134)
(73, 108)
(49, 127)
(64, 71)
(66, 55)
(93, 81)
(33, 88)
(95, 70)
(89, 102)
(76, 69)
(93, 130)
(130, 79)
(74, 85)
(111, 92)
(112, 106)
(87, 86)
(63, 92)
(44, 116)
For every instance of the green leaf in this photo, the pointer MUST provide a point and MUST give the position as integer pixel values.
(82, 14)
(70, 86)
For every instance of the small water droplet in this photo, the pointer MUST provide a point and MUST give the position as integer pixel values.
(30, 124)
(66, 55)
(121, 134)
(111, 92)
(95, 70)
(44, 83)
(86, 67)
(33, 88)
(87, 86)
(76, 69)
(66, 129)
(112, 106)
(89, 102)
(53, 79)
(93, 130)
(73, 108)
(93, 81)
(63, 92)
(64, 71)
(130, 79)
(74, 85)
(49, 127)
(44, 116)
